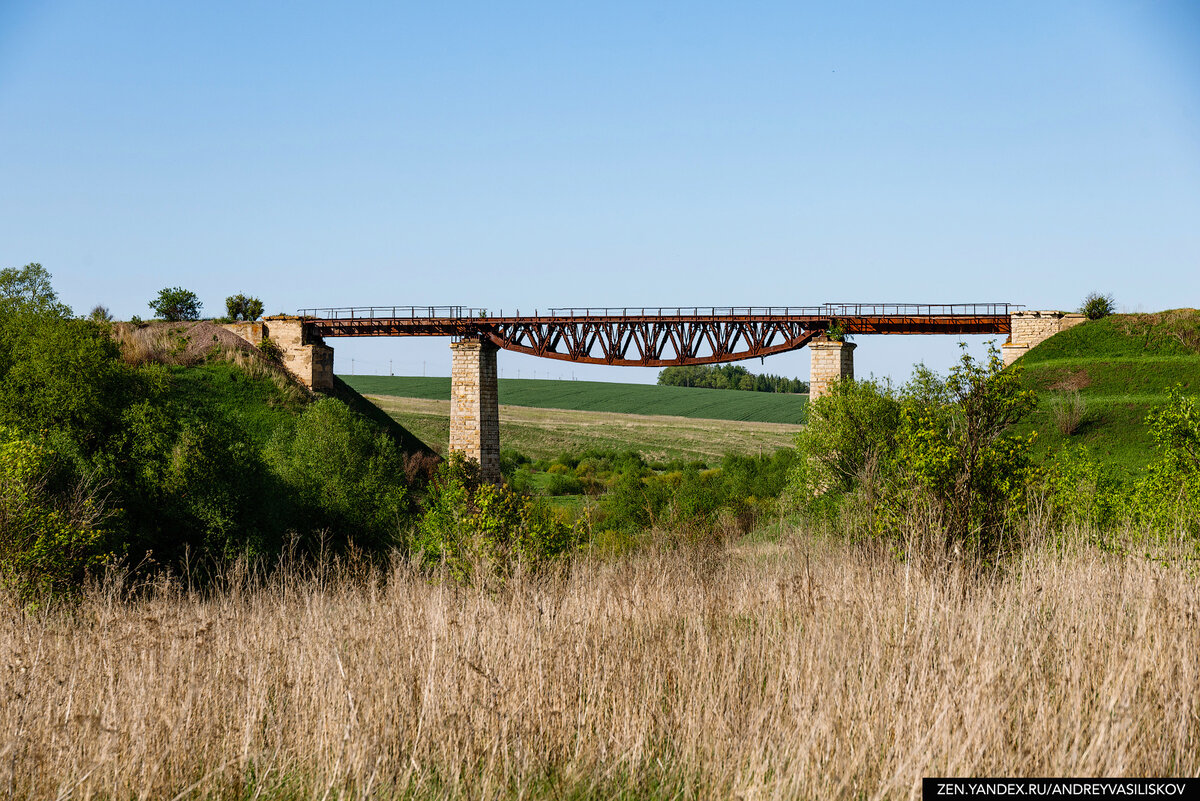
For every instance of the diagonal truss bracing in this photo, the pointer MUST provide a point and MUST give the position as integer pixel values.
(681, 337)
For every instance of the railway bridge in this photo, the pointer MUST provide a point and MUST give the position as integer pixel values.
(642, 336)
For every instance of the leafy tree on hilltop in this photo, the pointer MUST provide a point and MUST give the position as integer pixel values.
(174, 304)
(240, 307)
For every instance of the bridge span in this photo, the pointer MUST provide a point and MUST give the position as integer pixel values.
(628, 336)
(662, 337)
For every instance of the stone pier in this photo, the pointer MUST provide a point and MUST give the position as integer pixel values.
(1031, 328)
(474, 405)
(831, 360)
(303, 353)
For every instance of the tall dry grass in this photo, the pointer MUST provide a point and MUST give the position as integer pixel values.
(785, 671)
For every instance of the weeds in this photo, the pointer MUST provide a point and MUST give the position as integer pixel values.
(790, 669)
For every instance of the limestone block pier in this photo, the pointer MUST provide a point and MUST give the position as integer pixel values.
(304, 354)
(831, 361)
(1031, 328)
(475, 405)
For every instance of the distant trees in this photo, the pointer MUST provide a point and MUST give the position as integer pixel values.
(174, 304)
(240, 307)
(728, 376)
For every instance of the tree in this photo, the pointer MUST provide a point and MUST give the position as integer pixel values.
(956, 449)
(849, 430)
(100, 314)
(1096, 305)
(240, 307)
(174, 304)
(28, 291)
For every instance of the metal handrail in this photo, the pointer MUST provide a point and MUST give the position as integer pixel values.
(825, 310)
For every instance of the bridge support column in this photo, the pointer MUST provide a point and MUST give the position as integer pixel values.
(474, 405)
(1032, 328)
(830, 361)
(304, 354)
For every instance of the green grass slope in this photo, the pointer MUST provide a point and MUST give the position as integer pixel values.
(261, 401)
(599, 396)
(1122, 366)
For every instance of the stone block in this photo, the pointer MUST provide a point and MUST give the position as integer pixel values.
(474, 406)
(831, 360)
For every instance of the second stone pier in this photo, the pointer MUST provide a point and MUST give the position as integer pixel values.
(475, 406)
(831, 360)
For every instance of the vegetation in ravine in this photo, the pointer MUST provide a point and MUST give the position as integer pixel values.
(157, 447)
(940, 466)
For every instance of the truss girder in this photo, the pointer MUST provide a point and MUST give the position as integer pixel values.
(654, 341)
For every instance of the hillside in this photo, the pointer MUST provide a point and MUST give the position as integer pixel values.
(1121, 366)
(599, 396)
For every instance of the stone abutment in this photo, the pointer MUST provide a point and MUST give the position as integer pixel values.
(474, 405)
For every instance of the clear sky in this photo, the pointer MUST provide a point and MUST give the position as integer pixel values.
(619, 153)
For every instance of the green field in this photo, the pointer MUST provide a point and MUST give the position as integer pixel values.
(547, 433)
(599, 396)
(1122, 366)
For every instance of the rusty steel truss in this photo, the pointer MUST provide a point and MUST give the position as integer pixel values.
(660, 337)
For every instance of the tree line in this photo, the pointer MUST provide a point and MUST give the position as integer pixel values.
(728, 376)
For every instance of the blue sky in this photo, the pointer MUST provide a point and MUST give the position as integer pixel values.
(534, 155)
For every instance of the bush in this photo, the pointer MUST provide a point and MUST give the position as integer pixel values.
(849, 430)
(957, 455)
(937, 457)
(47, 540)
(272, 351)
(240, 307)
(468, 524)
(1067, 410)
(1096, 306)
(562, 484)
(191, 482)
(343, 476)
(176, 304)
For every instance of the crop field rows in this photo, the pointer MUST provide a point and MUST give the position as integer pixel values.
(600, 396)
(546, 433)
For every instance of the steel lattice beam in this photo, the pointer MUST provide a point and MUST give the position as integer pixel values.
(656, 340)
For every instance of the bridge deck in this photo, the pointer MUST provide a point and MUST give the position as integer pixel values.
(656, 337)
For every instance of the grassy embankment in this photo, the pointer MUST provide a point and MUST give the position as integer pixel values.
(543, 419)
(799, 669)
(1121, 366)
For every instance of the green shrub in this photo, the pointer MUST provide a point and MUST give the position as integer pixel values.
(343, 476)
(191, 482)
(851, 429)
(562, 484)
(47, 541)
(270, 349)
(935, 458)
(467, 524)
(1167, 499)
(1096, 305)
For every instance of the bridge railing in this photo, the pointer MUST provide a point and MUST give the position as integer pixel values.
(824, 310)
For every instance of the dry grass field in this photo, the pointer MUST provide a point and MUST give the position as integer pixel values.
(797, 669)
(546, 433)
